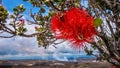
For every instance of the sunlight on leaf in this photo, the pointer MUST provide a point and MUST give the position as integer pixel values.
(98, 22)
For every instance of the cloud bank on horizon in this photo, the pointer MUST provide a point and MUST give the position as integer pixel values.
(27, 48)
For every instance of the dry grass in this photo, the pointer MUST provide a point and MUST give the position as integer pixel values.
(52, 64)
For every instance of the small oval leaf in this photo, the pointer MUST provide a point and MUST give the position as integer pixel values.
(98, 22)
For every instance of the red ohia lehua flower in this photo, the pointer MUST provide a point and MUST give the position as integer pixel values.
(22, 21)
(36, 27)
(75, 25)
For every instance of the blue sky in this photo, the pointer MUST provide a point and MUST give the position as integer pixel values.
(10, 4)
(20, 48)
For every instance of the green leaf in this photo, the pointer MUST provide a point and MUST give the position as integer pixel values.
(77, 4)
(58, 0)
(21, 30)
(24, 30)
(94, 47)
(2, 8)
(46, 18)
(41, 23)
(42, 10)
(101, 43)
(3, 14)
(32, 1)
(40, 29)
(15, 9)
(21, 5)
(46, 1)
(12, 16)
(98, 22)
(50, 13)
(25, 0)
(19, 9)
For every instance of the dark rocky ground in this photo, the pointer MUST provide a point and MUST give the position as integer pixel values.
(52, 64)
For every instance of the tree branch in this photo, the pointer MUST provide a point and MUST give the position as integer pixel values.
(7, 36)
(54, 6)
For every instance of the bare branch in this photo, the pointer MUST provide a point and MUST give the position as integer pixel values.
(7, 36)
(53, 6)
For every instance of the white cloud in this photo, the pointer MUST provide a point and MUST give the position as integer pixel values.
(21, 48)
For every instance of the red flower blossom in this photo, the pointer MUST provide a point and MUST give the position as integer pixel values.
(36, 27)
(22, 22)
(75, 25)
